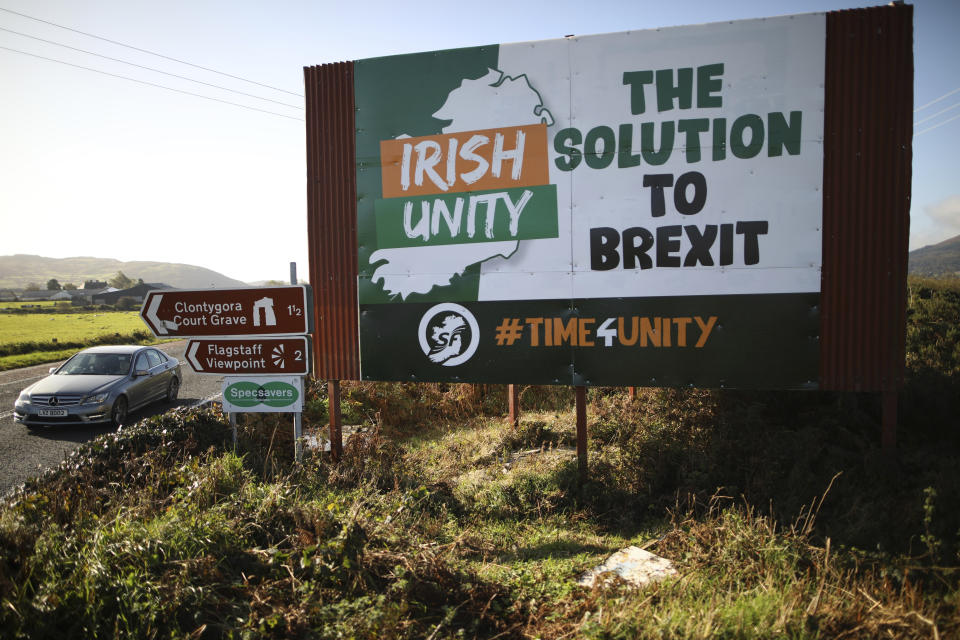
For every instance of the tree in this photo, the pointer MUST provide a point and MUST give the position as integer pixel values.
(121, 281)
(32, 286)
(69, 287)
(53, 285)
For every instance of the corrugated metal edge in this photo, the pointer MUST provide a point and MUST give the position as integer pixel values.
(332, 219)
(866, 197)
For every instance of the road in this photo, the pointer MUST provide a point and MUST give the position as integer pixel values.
(25, 451)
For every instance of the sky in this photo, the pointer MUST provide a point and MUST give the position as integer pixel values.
(92, 164)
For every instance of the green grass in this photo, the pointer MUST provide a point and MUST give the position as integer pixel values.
(66, 327)
(164, 531)
(51, 304)
(35, 338)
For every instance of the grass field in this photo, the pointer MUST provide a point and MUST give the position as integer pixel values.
(35, 338)
(29, 305)
(66, 327)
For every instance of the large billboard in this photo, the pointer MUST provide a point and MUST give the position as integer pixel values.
(633, 208)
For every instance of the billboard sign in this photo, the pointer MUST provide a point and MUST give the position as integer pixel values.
(260, 311)
(632, 208)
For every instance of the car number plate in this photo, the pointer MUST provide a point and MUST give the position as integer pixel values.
(52, 413)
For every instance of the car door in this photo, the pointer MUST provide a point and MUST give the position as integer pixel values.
(159, 375)
(138, 392)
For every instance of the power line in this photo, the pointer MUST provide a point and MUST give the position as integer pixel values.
(140, 66)
(951, 107)
(939, 124)
(935, 101)
(153, 53)
(152, 84)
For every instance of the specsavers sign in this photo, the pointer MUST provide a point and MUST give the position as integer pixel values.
(634, 208)
(269, 394)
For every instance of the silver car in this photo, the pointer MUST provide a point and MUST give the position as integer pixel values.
(100, 384)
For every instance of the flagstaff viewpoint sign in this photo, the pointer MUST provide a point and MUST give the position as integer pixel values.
(633, 208)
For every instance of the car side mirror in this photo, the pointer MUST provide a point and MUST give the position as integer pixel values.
(140, 372)
(52, 369)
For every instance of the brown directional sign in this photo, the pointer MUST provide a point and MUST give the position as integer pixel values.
(260, 311)
(250, 356)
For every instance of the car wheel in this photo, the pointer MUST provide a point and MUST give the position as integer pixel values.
(173, 389)
(119, 412)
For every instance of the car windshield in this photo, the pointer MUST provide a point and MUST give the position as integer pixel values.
(97, 364)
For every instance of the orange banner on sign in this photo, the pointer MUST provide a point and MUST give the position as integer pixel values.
(481, 160)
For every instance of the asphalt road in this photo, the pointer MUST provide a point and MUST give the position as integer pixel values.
(25, 451)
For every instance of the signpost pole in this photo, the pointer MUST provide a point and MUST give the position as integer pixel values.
(582, 432)
(513, 400)
(297, 417)
(233, 429)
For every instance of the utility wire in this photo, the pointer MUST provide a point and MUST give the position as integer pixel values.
(935, 101)
(152, 84)
(939, 124)
(140, 66)
(153, 53)
(951, 107)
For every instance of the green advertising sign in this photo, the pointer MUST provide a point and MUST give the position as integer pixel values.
(263, 394)
(634, 208)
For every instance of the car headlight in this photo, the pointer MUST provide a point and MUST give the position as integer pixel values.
(95, 399)
(23, 398)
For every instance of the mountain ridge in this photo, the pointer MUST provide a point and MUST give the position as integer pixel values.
(19, 270)
(938, 259)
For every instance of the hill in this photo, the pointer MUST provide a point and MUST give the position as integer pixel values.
(937, 259)
(17, 271)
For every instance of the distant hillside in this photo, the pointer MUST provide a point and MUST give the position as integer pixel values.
(17, 271)
(937, 259)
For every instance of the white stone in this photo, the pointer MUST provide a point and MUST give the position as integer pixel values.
(634, 565)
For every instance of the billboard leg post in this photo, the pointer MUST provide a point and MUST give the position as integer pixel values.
(888, 428)
(336, 432)
(582, 433)
(233, 429)
(513, 400)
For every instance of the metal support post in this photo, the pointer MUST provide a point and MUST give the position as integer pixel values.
(298, 436)
(888, 422)
(513, 402)
(336, 432)
(233, 429)
(582, 432)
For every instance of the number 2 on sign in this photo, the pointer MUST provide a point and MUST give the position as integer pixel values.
(294, 310)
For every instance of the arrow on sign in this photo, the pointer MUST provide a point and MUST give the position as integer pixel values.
(192, 356)
(151, 314)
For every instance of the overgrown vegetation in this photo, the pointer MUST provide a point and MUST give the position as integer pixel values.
(781, 514)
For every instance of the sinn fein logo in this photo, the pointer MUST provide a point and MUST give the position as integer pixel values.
(449, 334)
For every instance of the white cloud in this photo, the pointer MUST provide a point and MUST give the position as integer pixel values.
(945, 213)
(940, 221)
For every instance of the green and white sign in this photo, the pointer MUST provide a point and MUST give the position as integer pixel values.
(267, 394)
(631, 208)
